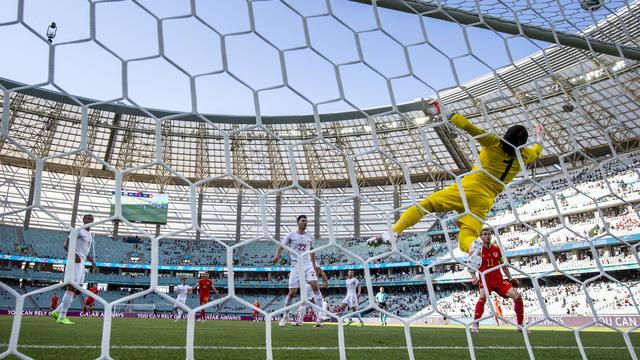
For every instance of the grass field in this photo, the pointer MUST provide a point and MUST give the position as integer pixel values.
(42, 338)
(136, 213)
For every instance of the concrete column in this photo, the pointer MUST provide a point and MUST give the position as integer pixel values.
(238, 215)
(396, 202)
(27, 215)
(76, 200)
(356, 218)
(278, 218)
(199, 213)
(316, 220)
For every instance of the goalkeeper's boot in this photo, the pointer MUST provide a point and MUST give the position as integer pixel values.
(475, 328)
(65, 321)
(475, 255)
(349, 322)
(379, 239)
(361, 323)
(54, 314)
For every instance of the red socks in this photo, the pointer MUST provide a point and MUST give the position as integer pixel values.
(519, 308)
(479, 309)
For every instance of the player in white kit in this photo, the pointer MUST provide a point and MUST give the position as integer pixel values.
(325, 307)
(182, 290)
(351, 300)
(84, 245)
(300, 241)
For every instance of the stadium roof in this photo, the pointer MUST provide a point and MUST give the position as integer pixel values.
(588, 102)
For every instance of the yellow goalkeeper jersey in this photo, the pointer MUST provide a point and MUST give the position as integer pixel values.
(502, 166)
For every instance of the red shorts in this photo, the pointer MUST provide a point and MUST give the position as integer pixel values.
(501, 289)
(204, 299)
(89, 301)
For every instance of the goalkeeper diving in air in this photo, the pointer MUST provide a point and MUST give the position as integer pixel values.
(500, 163)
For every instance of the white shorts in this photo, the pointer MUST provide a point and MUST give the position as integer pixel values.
(309, 275)
(78, 274)
(181, 300)
(350, 300)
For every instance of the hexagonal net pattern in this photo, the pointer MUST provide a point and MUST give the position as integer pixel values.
(248, 114)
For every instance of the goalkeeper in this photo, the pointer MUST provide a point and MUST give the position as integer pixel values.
(500, 163)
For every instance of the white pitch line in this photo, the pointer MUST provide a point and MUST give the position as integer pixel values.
(312, 348)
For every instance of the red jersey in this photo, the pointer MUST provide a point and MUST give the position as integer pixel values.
(54, 302)
(257, 304)
(492, 257)
(89, 298)
(205, 286)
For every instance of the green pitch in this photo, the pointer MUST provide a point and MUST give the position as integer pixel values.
(42, 338)
(142, 213)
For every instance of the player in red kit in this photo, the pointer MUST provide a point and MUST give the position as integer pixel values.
(205, 285)
(493, 280)
(88, 303)
(54, 302)
(255, 312)
(496, 305)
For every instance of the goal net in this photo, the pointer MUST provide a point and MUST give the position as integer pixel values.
(196, 132)
(135, 308)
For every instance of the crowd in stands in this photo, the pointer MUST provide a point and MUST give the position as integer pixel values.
(565, 297)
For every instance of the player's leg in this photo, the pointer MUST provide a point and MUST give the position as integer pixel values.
(203, 314)
(67, 299)
(479, 307)
(384, 314)
(355, 309)
(345, 305)
(518, 306)
(445, 200)
(302, 309)
(468, 239)
(317, 297)
(179, 311)
(293, 290)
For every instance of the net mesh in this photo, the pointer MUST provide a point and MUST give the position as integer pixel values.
(582, 86)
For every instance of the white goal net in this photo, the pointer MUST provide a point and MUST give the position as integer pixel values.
(246, 114)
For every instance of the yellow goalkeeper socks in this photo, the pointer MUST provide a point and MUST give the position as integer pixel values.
(465, 238)
(411, 216)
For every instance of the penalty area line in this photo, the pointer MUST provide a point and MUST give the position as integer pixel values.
(310, 348)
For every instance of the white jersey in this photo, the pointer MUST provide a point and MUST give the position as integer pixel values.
(300, 243)
(182, 291)
(83, 244)
(352, 285)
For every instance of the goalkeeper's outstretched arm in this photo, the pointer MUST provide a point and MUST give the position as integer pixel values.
(484, 138)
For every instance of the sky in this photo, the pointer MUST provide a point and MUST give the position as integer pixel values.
(275, 69)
